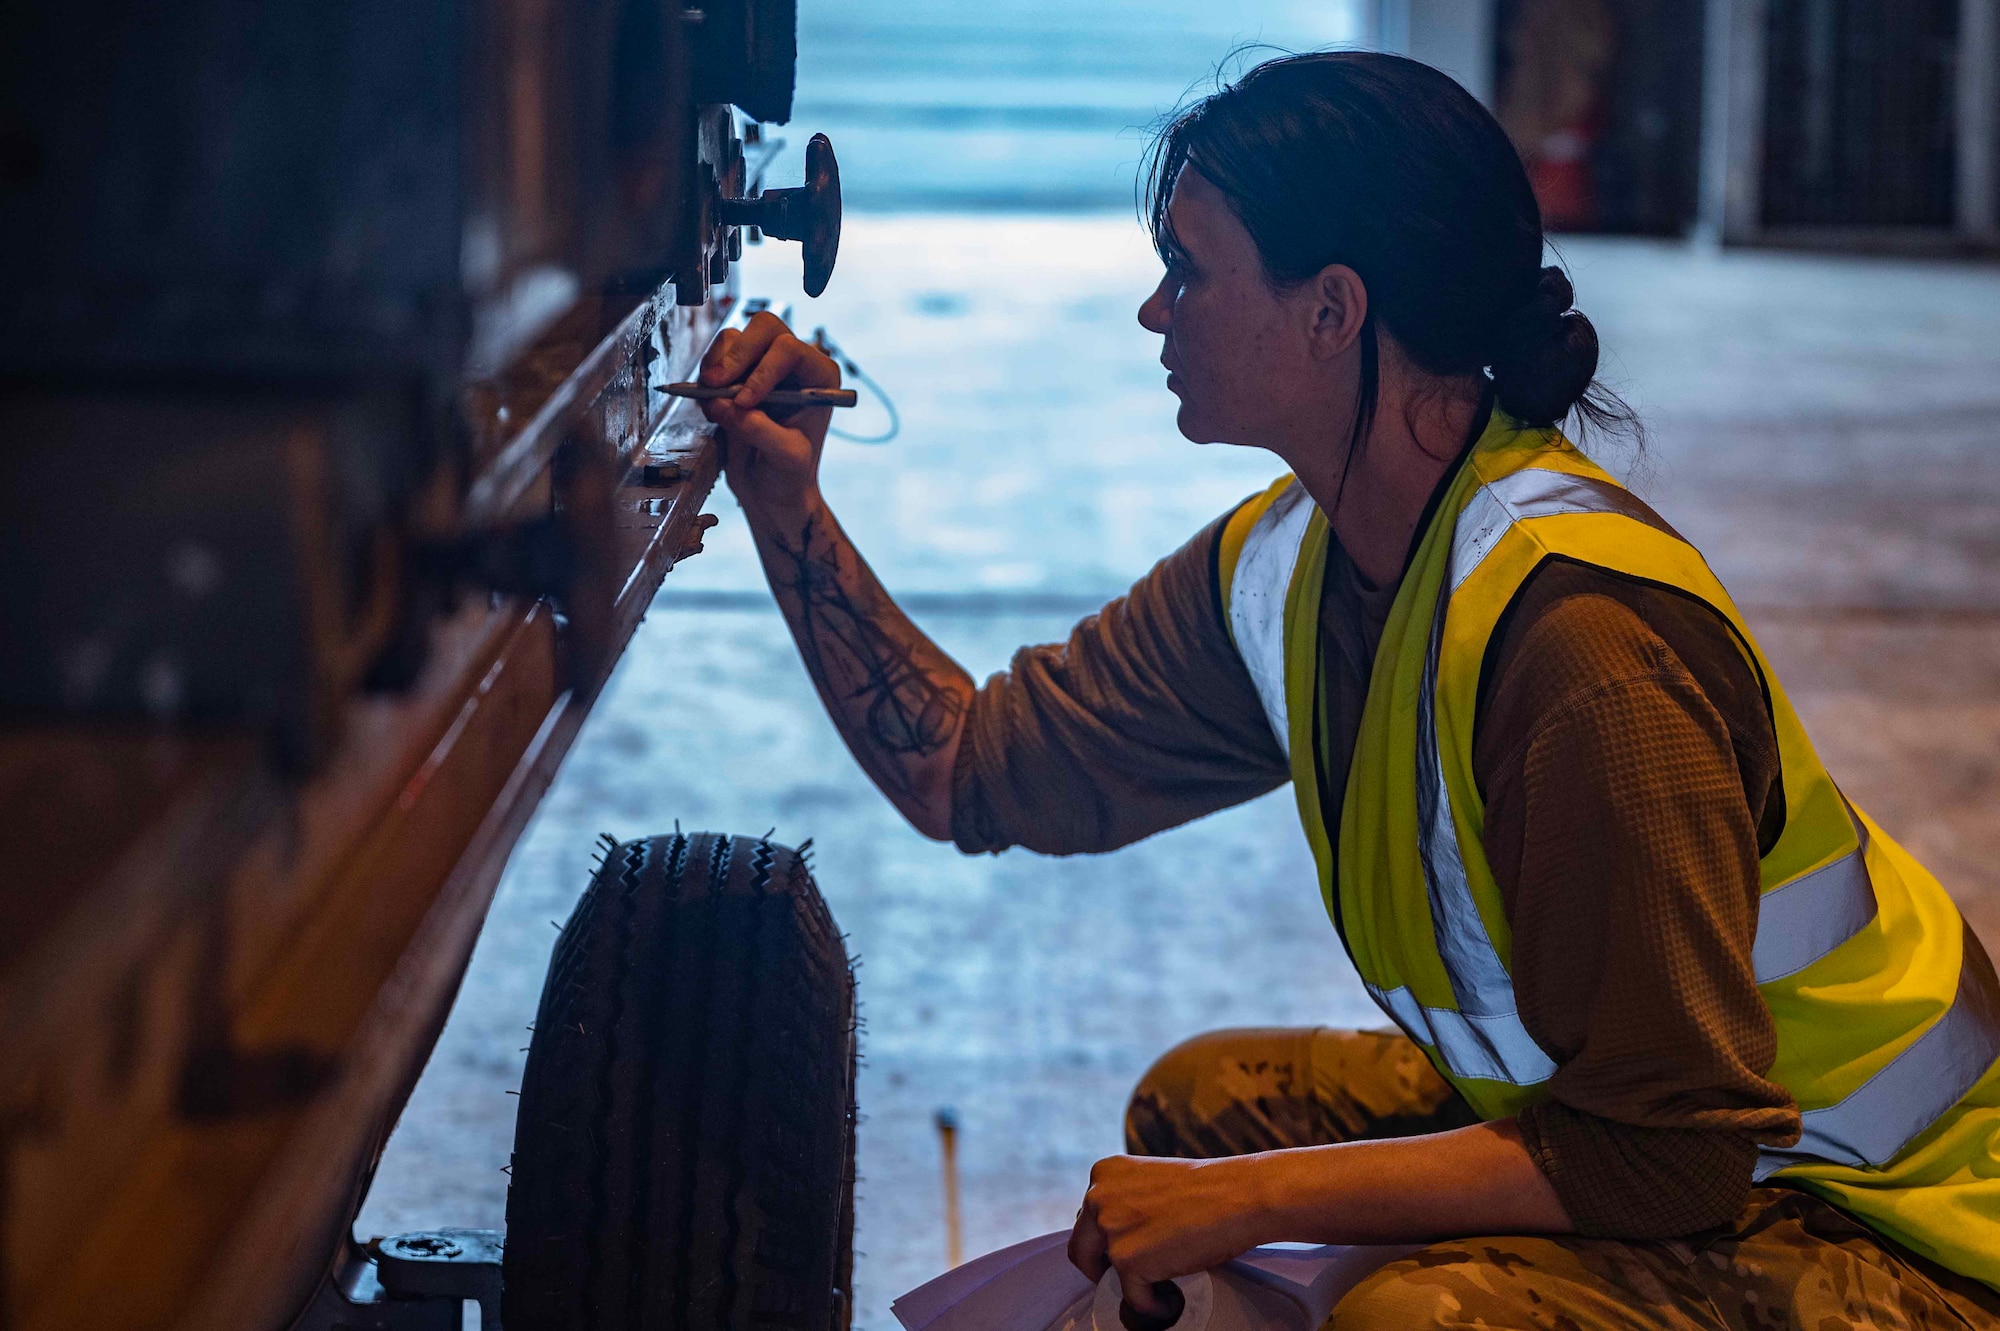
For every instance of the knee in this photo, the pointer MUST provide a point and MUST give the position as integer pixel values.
(1511, 1282)
(1387, 1302)
(1164, 1096)
(1191, 1084)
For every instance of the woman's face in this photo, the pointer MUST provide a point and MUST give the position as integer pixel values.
(1236, 352)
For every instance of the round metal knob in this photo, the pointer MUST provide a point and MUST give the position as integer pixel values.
(810, 213)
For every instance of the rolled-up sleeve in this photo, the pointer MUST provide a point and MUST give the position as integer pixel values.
(1622, 830)
(1144, 719)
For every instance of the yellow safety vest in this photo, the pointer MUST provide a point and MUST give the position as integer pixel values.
(1886, 1007)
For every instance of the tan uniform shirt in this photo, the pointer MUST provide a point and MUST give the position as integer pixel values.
(1626, 756)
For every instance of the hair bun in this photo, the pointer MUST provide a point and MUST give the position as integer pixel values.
(1553, 292)
(1545, 354)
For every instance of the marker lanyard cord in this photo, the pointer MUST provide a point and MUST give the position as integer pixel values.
(862, 377)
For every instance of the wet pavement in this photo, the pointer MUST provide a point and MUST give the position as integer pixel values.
(1827, 429)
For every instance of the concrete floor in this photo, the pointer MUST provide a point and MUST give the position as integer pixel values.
(1828, 430)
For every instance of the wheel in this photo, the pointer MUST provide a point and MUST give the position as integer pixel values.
(684, 1146)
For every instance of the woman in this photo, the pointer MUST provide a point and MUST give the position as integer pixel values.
(1684, 1039)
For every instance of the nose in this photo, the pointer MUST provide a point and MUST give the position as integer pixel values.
(1156, 311)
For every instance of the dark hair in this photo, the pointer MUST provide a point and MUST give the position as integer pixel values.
(1388, 166)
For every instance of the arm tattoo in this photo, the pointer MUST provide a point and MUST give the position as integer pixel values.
(851, 643)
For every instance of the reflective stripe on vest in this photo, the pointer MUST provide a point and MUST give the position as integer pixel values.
(1801, 921)
(1492, 1047)
(1262, 576)
(1892, 1108)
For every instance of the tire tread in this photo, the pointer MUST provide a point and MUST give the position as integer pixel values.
(683, 1155)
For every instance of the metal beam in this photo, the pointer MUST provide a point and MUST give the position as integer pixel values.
(1390, 26)
(1978, 112)
(1732, 129)
(1456, 36)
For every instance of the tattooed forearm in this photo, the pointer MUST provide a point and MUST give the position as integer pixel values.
(897, 698)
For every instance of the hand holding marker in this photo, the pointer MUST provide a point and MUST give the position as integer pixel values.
(789, 398)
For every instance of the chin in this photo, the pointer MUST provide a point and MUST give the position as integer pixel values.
(1196, 430)
(1191, 425)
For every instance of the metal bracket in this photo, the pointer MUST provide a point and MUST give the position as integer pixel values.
(453, 1264)
(410, 1282)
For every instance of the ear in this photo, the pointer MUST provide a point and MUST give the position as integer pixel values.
(1337, 306)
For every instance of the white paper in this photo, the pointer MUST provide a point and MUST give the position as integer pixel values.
(1032, 1287)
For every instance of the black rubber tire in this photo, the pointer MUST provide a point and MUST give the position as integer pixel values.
(684, 1146)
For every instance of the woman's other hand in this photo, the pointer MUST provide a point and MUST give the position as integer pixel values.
(772, 461)
(1154, 1219)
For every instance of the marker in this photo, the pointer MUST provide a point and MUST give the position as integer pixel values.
(783, 397)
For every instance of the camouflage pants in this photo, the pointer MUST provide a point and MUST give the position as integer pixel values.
(1787, 1260)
